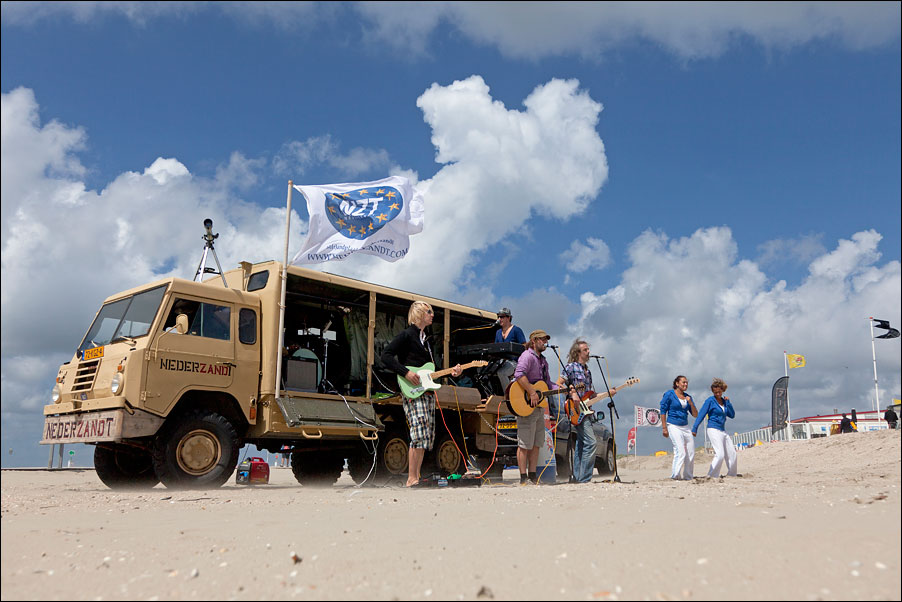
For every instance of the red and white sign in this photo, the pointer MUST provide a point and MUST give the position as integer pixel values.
(647, 416)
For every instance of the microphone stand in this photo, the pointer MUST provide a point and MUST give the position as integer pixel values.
(570, 433)
(613, 411)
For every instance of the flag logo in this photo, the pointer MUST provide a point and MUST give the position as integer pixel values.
(369, 218)
(647, 416)
(358, 214)
(795, 361)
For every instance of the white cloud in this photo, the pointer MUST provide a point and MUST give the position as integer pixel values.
(281, 14)
(65, 247)
(532, 30)
(296, 157)
(501, 167)
(692, 306)
(797, 251)
(594, 253)
(690, 30)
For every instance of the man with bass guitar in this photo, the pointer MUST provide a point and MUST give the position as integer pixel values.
(582, 434)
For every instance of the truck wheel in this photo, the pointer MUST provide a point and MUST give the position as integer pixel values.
(317, 469)
(496, 471)
(606, 465)
(124, 467)
(563, 466)
(447, 459)
(359, 466)
(393, 453)
(199, 449)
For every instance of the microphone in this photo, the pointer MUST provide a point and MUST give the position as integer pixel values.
(601, 357)
(553, 347)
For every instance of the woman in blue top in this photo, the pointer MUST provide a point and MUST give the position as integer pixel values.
(676, 405)
(508, 333)
(718, 408)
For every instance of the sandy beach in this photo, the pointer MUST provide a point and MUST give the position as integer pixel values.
(816, 520)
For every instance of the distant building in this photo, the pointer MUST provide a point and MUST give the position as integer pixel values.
(819, 426)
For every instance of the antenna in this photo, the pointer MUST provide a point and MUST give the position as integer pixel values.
(202, 268)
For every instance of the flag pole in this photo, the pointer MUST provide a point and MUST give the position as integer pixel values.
(788, 415)
(281, 336)
(874, 355)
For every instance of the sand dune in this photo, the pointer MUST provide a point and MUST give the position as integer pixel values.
(807, 520)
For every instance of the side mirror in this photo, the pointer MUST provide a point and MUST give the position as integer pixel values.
(181, 323)
(599, 414)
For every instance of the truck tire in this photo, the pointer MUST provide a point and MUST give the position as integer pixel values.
(359, 467)
(606, 465)
(563, 466)
(124, 467)
(393, 453)
(199, 449)
(446, 459)
(495, 471)
(317, 469)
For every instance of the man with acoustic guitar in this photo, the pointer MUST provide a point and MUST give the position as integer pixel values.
(582, 435)
(532, 368)
(409, 348)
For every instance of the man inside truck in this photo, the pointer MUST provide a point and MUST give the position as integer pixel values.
(410, 349)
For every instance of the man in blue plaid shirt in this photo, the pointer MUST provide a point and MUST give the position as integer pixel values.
(577, 373)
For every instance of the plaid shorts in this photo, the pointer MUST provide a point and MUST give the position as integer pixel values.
(420, 413)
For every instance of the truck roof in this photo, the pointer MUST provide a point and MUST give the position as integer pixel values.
(368, 286)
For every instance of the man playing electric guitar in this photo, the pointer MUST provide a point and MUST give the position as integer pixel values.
(531, 368)
(410, 348)
(582, 434)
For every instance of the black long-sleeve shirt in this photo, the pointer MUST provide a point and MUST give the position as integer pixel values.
(405, 350)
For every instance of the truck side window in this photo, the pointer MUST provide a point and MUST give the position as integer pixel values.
(257, 281)
(247, 326)
(204, 319)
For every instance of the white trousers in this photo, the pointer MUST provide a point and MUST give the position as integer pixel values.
(683, 452)
(723, 450)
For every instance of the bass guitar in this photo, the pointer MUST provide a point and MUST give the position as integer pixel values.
(518, 397)
(428, 378)
(577, 411)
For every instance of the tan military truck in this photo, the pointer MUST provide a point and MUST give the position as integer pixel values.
(174, 377)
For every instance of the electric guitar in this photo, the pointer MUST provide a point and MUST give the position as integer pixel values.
(577, 411)
(427, 378)
(518, 397)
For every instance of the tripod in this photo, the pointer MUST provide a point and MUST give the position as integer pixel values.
(209, 237)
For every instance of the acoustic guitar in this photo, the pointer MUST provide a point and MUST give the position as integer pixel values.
(428, 377)
(518, 398)
(578, 411)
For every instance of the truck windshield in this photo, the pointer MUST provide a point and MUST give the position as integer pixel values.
(127, 318)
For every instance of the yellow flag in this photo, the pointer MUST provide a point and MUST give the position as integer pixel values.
(795, 361)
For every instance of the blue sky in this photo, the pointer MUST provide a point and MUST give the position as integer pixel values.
(692, 187)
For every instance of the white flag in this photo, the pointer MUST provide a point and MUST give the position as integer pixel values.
(374, 218)
(647, 416)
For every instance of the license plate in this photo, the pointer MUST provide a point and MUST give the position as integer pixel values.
(93, 354)
(507, 425)
(83, 428)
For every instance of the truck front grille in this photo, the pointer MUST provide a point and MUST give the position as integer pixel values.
(84, 376)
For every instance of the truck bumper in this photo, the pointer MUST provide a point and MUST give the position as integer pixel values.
(95, 427)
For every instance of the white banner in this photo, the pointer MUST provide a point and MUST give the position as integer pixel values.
(647, 416)
(373, 218)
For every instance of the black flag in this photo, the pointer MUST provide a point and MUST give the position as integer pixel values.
(891, 333)
(779, 404)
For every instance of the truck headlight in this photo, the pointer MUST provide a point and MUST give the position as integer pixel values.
(116, 383)
(55, 393)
